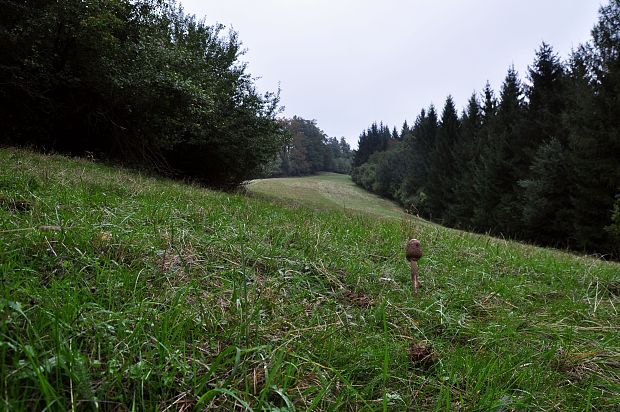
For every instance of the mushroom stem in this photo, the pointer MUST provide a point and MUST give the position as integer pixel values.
(414, 275)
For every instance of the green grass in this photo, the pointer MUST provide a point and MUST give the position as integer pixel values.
(123, 292)
(330, 191)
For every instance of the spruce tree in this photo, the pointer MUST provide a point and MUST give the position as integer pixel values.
(546, 207)
(419, 151)
(443, 173)
(546, 204)
(466, 158)
(404, 130)
(508, 157)
(546, 100)
(593, 121)
(483, 187)
(395, 135)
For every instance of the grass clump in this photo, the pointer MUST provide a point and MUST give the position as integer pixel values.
(124, 292)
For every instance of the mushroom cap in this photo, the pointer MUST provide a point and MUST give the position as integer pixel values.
(413, 251)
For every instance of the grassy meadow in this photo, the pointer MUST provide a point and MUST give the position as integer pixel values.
(125, 292)
(325, 191)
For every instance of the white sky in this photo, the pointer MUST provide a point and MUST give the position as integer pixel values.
(347, 63)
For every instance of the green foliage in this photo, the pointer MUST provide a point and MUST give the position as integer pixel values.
(546, 207)
(507, 159)
(443, 167)
(139, 81)
(466, 154)
(366, 175)
(546, 99)
(386, 166)
(594, 125)
(390, 168)
(547, 214)
(310, 151)
(419, 148)
(376, 138)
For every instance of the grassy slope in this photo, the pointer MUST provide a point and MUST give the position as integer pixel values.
(121, 291)
(325, 191)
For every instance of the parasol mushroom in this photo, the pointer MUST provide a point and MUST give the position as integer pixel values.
(413, 252)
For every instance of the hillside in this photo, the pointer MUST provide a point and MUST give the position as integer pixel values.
(122, 292)
(325, 191)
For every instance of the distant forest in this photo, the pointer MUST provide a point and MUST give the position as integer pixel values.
(308, 150)
(539, 162)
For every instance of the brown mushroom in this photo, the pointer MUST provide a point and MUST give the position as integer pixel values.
(413, 252)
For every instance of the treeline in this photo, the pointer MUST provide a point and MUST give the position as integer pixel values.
(135, 80)
(309, 151)
(539, 162)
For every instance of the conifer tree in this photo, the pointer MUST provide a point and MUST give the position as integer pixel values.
(443, 172)
(395, 135)
(507, 159)
(482, 170)
(593, 119)
(404, 130)
(466, 157)
(376, 138)
(419, 151)
(546, 206)
(546, 100)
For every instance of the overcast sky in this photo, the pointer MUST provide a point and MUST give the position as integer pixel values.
(347, 63)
